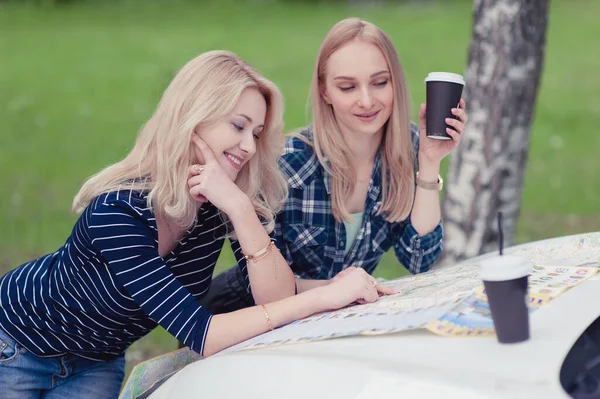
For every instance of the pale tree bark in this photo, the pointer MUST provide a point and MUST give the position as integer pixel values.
(486, 171)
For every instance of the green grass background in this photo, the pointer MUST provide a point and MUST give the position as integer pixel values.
(78, 79)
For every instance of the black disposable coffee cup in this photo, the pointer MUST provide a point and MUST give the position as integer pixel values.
(505, 279)
(443, 92)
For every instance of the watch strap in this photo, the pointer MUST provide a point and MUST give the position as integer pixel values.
(428, 185)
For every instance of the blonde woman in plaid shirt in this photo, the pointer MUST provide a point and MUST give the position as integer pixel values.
(354, 187)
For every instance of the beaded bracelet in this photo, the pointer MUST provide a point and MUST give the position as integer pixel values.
(267, 316)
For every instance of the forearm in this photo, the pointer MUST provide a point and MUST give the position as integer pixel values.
(426, 212)
(229, 329)
(270, 277)
(307, 285)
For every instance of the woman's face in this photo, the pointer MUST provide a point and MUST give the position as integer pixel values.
(358, 86)
(233, 140)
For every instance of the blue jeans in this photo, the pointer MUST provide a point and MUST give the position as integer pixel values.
(26, 376)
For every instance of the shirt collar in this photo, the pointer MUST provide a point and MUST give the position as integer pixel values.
(326, 175)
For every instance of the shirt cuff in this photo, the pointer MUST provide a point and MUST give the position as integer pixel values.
(428, 242)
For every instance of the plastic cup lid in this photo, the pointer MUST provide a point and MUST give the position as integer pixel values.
(445, 77)
(503, 268)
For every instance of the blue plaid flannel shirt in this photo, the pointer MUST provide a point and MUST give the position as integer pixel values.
(313, 242)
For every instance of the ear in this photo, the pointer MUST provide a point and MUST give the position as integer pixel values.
(324, 94)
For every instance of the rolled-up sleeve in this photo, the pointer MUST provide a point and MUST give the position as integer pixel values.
(417, 254)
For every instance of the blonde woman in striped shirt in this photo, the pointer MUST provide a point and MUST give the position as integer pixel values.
(152, 226)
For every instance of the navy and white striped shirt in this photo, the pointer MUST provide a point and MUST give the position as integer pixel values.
(107, 286)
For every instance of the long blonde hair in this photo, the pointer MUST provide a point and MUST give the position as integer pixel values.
(202, 93)
(331, 149)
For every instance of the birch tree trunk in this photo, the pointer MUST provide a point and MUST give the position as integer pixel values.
(486, 171)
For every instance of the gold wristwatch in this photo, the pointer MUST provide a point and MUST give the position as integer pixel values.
(427, 185)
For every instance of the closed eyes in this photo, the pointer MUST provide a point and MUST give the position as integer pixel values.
(240, 128)
(377, 84)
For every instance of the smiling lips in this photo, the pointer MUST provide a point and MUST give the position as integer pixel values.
(234, 160)
(367, 117)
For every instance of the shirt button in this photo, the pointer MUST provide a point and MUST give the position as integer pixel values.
(341, 243)
(3, 345)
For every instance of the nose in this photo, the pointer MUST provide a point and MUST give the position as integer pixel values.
(365, 100)
(248, 143)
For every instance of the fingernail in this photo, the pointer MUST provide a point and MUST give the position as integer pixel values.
(448, 120)
(455, 110)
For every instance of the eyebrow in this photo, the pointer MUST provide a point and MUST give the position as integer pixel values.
(249, 119)
(350, 78)
(246, 117)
